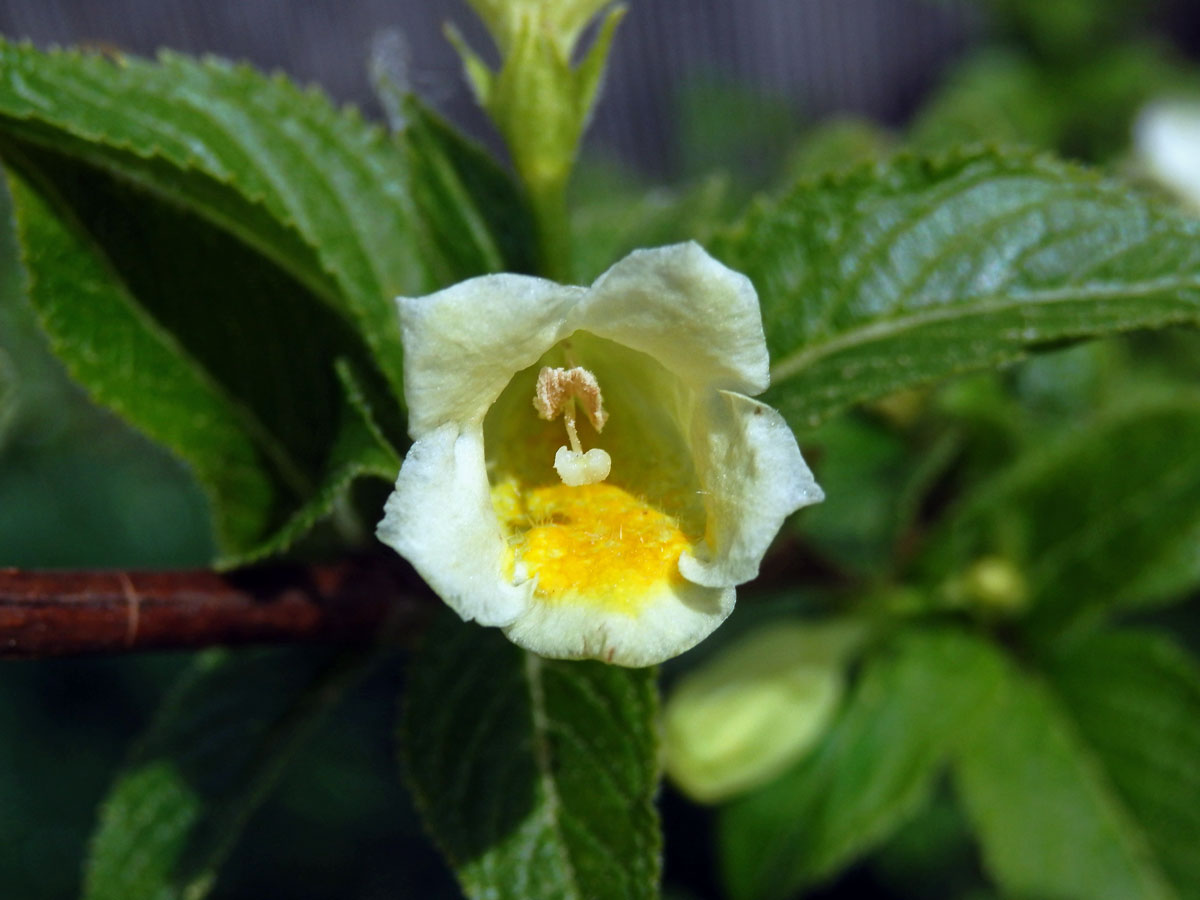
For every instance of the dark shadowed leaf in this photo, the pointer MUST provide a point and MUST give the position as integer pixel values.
(320, 192)
(198, 341)
(535, 776)
(217, 746)
(1106, 518)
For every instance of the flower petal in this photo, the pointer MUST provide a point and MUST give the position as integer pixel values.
(463, 344)
(440, 519)
(679, 305)
(676, 620)
(1165, 135)
(753, 478)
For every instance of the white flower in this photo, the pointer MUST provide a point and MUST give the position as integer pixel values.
(631, 554)
(1167, 139)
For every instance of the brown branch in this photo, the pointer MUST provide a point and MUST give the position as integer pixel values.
(51, 613)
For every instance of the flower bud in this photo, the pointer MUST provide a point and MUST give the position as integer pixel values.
(756, 708)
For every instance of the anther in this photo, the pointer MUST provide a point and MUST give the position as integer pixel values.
(556, 387)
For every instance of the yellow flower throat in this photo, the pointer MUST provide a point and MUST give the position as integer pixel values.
(613, 543)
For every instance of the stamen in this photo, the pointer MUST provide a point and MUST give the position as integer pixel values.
(556, 393)
(556, 386)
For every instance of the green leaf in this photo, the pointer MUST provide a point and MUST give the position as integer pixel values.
(477, 219)
(879, 478)
(614, 214)
(1105, 519)
(535, 776)
(919, 269)
(321, 193)
(838, 144)
(871, 773)
(217, 746)
(8, 396)
(1070, 29)
(1068, 804)
(1083, 110)
(1135, 698)
(359, 450)
(198, 341)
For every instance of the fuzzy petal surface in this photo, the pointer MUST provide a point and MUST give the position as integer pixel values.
(677, 304)
(753, 477)
(463, 344)
(676, 620)
(440, 519)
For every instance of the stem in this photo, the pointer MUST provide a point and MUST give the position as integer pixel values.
(362, 601)
(549, 201)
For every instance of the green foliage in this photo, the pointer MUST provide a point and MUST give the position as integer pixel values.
(1135, 700)
(998, 97)
(231, 238)
(838, 145)
(1105, 519)
(612, 217)
(213, 255)
(881, 476)
(237, 383)
(1068, 29)
(319, 192)
(535, 776)
(1084, 110)
(901, 274)
(218, 744)
(872, 771)
(1090, 791)
(154, 231)
(8, 395)
(476, 217)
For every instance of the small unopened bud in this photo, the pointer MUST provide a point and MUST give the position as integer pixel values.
(995, 583)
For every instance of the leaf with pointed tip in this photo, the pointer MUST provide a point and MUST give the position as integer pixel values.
(321, 193)
(536, 776)
(917, 269)
(192, 337)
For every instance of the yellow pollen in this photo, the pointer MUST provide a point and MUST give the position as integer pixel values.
(596, 544)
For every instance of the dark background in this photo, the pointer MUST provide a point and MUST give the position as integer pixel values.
(870, 56)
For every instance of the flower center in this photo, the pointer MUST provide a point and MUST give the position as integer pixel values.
(605, 535)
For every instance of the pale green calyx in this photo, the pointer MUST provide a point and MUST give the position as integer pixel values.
(538, 100)
(562, 20)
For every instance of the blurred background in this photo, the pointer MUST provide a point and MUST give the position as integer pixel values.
(695, 86)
